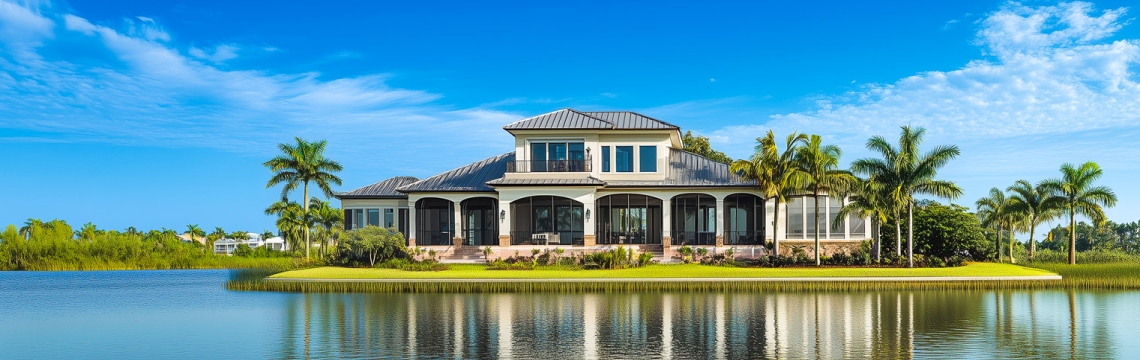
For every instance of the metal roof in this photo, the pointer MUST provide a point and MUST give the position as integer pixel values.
(470, 178)
(687, 169)
(570, 119)
(590, 181)
(382, 190)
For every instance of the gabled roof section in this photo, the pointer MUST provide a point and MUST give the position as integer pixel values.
(382, 190)
(470, 178)
(570, 119)
(687, 169)
(628, 120)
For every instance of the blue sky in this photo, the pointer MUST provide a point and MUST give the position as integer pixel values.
(158, 114)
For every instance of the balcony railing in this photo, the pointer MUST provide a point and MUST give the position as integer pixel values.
(744, 237)
(523, 166)
(546, 237)
(694, 238)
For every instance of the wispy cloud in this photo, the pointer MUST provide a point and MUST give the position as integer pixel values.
(154, 91)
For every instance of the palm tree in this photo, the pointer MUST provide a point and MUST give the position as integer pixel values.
(30, 226)
(193, 230)
(995, 211)
(299, 165)
(866, 199)
(774, 172)
(292, 220)
(330, 221)
(909, 173)
(820, 165)
(218, 234)
(86, 232)
(1077, 195)
(1035, 205)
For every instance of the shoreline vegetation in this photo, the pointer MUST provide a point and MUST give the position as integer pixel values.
(1113, 276)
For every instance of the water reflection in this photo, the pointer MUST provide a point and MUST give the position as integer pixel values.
(685, 325)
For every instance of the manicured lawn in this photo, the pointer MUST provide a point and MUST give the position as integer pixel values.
(470, 271)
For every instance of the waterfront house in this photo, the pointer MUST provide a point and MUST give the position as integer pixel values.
(585, 180)
(227, 245)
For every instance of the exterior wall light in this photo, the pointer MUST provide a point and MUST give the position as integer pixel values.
(587, 214)
(502, 215)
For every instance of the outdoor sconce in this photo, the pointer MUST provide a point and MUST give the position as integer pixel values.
(587, 214)
(502, 215)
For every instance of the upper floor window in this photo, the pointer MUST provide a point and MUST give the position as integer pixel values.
(624, 158)
(605, 159)
(557, 156)
(648, 159)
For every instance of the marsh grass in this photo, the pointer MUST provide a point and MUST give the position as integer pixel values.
(622, 286)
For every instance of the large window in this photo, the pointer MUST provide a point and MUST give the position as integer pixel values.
(560, 156)
(373, 217)
(624, 158)
(540, 220)
(648, 159)
(605, 159)
(629, 219)
(802, 221)
(389, 218)
(386, 217)
(744, 220)
(694, 219)
(480, 221)
(435, 221)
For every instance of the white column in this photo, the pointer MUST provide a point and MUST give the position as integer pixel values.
(457, 230)
(667, 217)
(588, 224)
(719, 217)
(504, 221)
(411, 220)
(667, 326)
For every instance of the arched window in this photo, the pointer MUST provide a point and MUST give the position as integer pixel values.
(547, 220)
(694, 219)
(480, 221)
(435, 219)
(743, 220)
(629, 219)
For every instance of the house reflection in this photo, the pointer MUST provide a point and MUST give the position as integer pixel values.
(689, 325)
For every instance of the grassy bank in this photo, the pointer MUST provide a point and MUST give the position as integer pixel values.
(714, 274)
(201, 262)
(1118, 275)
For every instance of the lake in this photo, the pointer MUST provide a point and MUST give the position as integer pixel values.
(187, 314)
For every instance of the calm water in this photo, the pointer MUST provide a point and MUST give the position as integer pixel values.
(188, 314)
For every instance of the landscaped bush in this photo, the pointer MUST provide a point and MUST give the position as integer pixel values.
(369, 246)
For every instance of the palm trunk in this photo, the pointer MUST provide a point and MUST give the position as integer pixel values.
(1072, 237)
(816, 219)
(998, 242)
(1011, 259)
(1032, 244)
(910, 234)
(304, 223)
(877, 239)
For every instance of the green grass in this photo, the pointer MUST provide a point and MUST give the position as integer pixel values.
(1118, 275)
(474, 271)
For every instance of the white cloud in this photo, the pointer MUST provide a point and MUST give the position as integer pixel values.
(150, 93)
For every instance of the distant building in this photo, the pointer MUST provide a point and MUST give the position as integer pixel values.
(227, 246)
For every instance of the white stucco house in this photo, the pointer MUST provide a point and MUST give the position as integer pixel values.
(227, 246)
(582, 180)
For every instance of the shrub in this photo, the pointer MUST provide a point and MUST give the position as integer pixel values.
(370, 245)
(644, 259)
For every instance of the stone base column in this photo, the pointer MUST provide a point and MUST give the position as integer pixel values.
(504, 240)
(719, 240)
(411, 242)
(589, 240)
(457, 241)
(666, 242)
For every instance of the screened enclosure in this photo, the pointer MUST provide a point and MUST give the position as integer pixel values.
(629, 219)
(547, 220)
(694, 219)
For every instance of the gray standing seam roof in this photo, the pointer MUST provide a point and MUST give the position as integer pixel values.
(469, 178)
(687, 169)
(382, 190)
(570, 119)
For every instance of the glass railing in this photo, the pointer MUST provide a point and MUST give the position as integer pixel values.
(523, 166)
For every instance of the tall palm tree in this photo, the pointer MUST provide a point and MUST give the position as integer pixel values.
(1036, 205)
(775, 173)
(866, 199)
(909, 173)
(329, 220)
(292, 221)
(193, 230)
(299, 165)
(820, 165)
(995, 211)
(1077, 195)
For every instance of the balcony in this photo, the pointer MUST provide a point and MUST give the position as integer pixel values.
(533, 166)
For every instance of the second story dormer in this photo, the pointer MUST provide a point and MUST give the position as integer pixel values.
(606, 145)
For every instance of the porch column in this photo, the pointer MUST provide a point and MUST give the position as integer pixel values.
(457, 232)
(719, 222)
(589, 233)
(411, 224)
(504, 223)
(666, 224)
